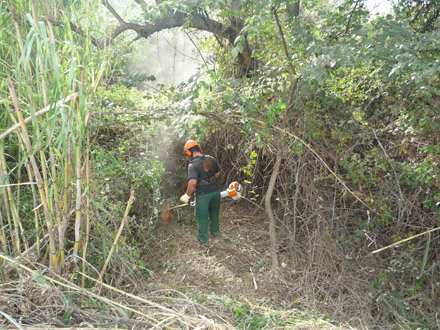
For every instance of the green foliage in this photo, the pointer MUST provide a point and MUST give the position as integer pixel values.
(252, 321)
(424, 16)
(45, 63)
(344, 75)
(248, 170)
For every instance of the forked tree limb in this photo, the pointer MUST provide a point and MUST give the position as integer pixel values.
(173, 19)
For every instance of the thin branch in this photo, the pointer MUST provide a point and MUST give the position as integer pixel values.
(351, 16)
(135, 39)
(401, 202)
(422, 8)
(113, 11)
(142, 4)
(286, 51)
(269, 211)
(198, 50)
(78, 30)
(405, 240)
(215, 36)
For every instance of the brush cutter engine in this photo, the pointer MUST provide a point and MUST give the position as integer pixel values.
(234, 191)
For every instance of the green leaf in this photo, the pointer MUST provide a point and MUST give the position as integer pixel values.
(11, 320)
(425, 255)
(99, 206)
(68, 313)
(37, 277)
(66, 316)
(234, 52)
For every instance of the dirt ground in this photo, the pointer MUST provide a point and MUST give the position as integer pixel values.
(228, 284)
(230, 276)
(237, 264)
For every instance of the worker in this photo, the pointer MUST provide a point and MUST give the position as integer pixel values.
(203, 172)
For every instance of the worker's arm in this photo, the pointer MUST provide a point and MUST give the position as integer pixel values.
(217, 174)
(192, 183)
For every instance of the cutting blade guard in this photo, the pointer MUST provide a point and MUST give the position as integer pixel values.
(234, 191)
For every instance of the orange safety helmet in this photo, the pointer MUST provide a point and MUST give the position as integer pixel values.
(188, 145)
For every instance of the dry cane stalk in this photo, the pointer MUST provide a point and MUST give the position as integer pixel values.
(405, 240)
(78, 193)
(25, 136)
(38, 114)
(11, 201)
(83, 280)
(77, 204)
(73, 287)
(17, 29)
(3, 235)
(51, 149)
(43, 161)
(130, 202)
(43, 164)
(36, 213)
(56, 195)
(52, 153)
(14, 233)
(23, 236)
(66, 181)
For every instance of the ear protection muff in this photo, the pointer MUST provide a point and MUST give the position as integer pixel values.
(188, 145)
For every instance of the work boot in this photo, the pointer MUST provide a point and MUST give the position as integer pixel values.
(203, 247)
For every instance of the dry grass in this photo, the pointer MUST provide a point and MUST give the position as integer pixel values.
(228, 285)
(328, 266)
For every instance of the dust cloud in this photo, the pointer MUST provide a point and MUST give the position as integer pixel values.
(169, 55)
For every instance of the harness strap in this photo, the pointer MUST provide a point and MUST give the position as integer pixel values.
(206, 173)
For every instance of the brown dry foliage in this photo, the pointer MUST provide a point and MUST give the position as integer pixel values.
(331, 268)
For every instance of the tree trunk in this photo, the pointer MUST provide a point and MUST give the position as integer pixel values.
(294, 8)
(269, 212)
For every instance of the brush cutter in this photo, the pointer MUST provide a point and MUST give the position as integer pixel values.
(167, 211)
(234, 191)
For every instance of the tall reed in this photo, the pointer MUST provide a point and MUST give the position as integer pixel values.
(47, 79)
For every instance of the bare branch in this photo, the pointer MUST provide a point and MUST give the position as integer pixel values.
(78, 30)
(142, 4)
(286, 51)
(113, 11)
(351, 16)
(174, 19)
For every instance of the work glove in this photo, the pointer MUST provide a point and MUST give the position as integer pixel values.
(185, 199)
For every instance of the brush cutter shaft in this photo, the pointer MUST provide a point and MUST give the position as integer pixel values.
(176, 207)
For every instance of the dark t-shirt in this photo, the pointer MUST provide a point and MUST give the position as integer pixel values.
(203, 169)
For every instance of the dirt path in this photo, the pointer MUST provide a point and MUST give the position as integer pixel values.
(237, 264)
(231, 281)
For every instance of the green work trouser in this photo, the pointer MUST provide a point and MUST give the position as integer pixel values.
(207, 206)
